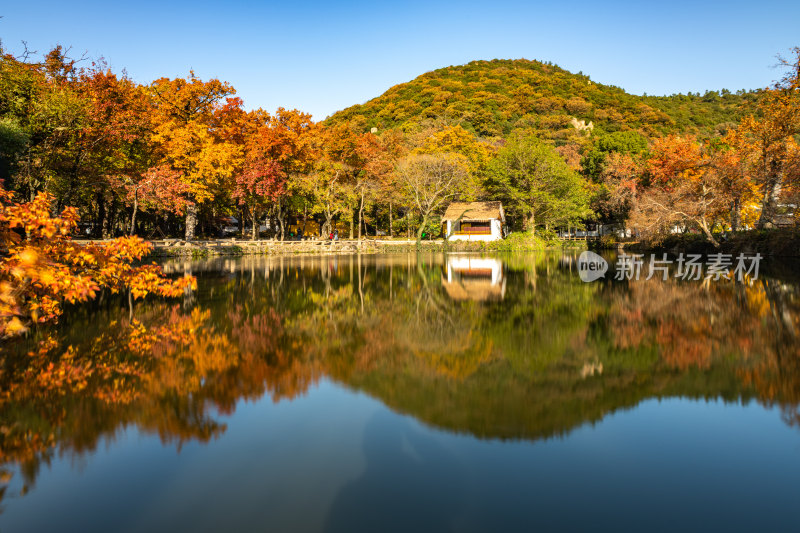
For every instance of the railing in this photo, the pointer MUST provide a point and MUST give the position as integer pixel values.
(579, 238)
(473, 231)
(269, 242)
(474, 272)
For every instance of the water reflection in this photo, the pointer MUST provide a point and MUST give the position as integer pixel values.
(474, 278)
(511, 347)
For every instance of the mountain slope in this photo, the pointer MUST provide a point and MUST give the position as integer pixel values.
(496, 97)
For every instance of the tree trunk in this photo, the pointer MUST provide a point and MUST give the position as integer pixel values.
(191, 221)
(421, 229)
(133, 215)
(101, 215)
(108, 222)
(360, 214)
(360, 284)
(113, 218)
(255, 225)
(351, 224)
(327, 228)
(772, 192)
(391, 229)
(736, 214)
(281, 218)
(708, 234)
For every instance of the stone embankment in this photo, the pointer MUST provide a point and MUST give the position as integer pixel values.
(177, 247)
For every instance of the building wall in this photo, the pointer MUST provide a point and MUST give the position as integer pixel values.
(496, 228)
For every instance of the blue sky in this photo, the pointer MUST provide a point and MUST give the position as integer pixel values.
(321, 57)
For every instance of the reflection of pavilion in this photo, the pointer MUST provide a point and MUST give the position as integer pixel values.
(474, 278)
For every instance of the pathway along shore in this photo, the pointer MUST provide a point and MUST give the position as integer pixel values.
(178, 247)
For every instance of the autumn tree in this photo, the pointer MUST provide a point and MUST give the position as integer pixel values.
(330, 190)
(259, 184)
(683, 189)
(187, 114)
(733, 165)
(289, 143)
(430, 181)
(443, 138)
(771, 133)
(616, 187)
(122, 155)
(43, 269)
(387, 186)
(375, 179)
(330, 183)
(455, 139)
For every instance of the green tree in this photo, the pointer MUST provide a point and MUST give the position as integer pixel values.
(624, 142)
(536, 185)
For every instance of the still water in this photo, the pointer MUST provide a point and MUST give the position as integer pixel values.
(410, 393)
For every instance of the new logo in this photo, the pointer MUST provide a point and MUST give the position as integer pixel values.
(591, 266)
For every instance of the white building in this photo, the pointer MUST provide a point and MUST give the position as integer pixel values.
(474, 221)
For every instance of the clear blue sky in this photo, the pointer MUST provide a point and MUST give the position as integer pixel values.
(321, 57)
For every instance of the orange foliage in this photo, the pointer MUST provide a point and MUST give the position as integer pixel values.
(42, 268)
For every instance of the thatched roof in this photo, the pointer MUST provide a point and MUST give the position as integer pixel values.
(474, 211)
(479, 291)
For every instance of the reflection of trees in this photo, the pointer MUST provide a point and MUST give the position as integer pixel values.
(554, 354)
(750, 330)
(438, 333)
(776, 377)
(164, 372)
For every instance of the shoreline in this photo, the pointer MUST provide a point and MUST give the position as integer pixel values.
(236, 247)
(768, 243)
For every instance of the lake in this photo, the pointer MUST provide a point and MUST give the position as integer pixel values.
(408, 392)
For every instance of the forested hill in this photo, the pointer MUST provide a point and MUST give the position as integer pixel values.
(496, 97)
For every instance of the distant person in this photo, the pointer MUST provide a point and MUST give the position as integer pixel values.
(336, 235)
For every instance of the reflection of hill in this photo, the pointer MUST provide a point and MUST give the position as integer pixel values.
(495, 404)
(521, 364)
